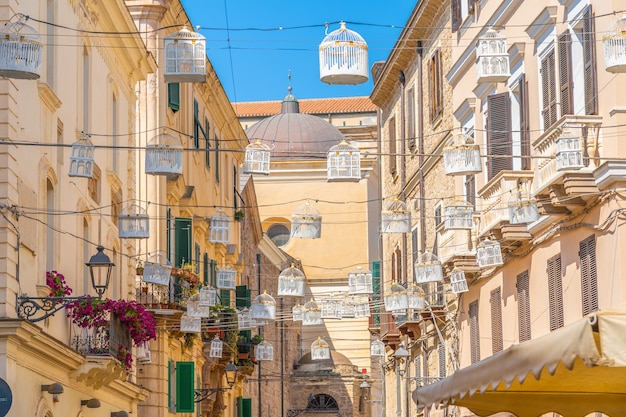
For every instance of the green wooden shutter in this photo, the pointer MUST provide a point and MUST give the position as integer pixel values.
(206, 266)
(207, 144)
(173, 96)
(168, 232)
(242, 296)
(244, 407)
(225, 297)
(184, 387)
(182, 231)
(171, 387)
(377, 296)
(217, 160)
(213, 273)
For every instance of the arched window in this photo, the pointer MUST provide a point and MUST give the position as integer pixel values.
(323, 402)
(279, 233)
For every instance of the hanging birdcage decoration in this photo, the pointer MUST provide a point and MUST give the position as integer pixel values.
(157, 270)
(244, 321)
(134, 223)
(190, 324)
(569, 154)
(360, 281)
(361, 307)
(306, 222)
(257, 158)
(195, 309)
(396, 218)
(428, 268)
(297, 312)
(332, 307)
(458, 281)
(217, 347)
(522, 207)
(291, 282)
(377, 349)
(396, 299)
(312, 314)
(21, 51)
(263, 307)
(488, 254)
(344, 162)
(458, 216)
(219, 230)
(264, 352)
(164, 155)
(492, 58)
(416, 297)
(227, 278)
(348, 308)
(320, 350)
(81, 160)
(343, 57)
(461, 156)
(185, 57)
(614, 41)
(208, 297)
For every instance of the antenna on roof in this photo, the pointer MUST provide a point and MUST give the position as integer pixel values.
(289, 78)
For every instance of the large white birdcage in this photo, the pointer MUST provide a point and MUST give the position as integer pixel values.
(569, 154)
(461, 156)
(458, 215)
(428, 268)
(396, 218)
(416, 297)
(343, 57)
(522, 207)
(264, 351)
(492, 58)
(488, 254)
(614, 41)
(82, 158)
(320, 349)
(312, 314)
(332, 307)
(343, 163)
(458, 281)
(244, 321)
(257, 158)
(360, 281)
(208, 296)
(263, 307)
(190, 324)
(185, 57)
(219, 230)
(306, 222)
(157, 270)
(134, 223)
(164, 155)
(21, 51)
(291, 282)
(297, 312)
(217, 347)
(377, 349)
(227, 278)
(195, 309)
(396, 299)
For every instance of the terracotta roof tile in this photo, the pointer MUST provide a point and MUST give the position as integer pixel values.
(307, 106)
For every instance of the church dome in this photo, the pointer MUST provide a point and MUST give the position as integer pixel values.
(296, 135)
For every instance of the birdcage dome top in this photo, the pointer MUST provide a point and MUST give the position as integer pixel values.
(306, 209)
(427, 258)
(257, 145)
(184, 34)
(459, 140)
(491, 33)
(319, 343)
(343, 147)
(292, 273)
(264, 299)
(460, 202)
(311, 305)
(360, 270)
(134, 209)
(164, 140)
(397, 206)
(617, 29)
(343, 34)
(20, 30)
(396, 289)
(417, 290)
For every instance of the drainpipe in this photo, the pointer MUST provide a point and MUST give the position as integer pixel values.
(402, 80)
(420, 147)
(282, 363)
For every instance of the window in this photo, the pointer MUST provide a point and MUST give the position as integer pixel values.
(474, 332)
(410, 118)
(207, 144)
(242, 296)
(418, 368)
(499, 147)
(196, 125)
(565, 73)
(437, 215)
(442, 360)
(392, 146)
(114, 133)
(217, 159)
(414, 249)
(548, 90)
(206, 271)
(184, 387)
(376, 296)
(496, 320)
(470, 189)
(183, 239)
(588, 275)
(398, 255)
(244, 407)
(116, 205)
(60, 158)
(94, 185)
(171, 385)
(50, 247)
(455, 12)
(425, 358)
(279, 233)
(173, 96)
(589, 58)
(555, 292)
(196, 257)
(523, 306)
(435, 85)
(524, 121)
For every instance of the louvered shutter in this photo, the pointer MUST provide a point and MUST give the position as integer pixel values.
(496, 320)
(548, 90)
(524, 122)
(182, 233)
(173, 96)
(474, 332)
(455, 11)
(392, 146)
(470, 189)
(425, 358)
(242, 296)
(565, 73)
(414, 250)
(377, 296)
(589, 58)
(207, 269)
(225, 298)
(523, 306)
(244, 407)
(418, 368)
(184, 387)
(555, 292)
(410, 118)
(499, 133)
(588, 275)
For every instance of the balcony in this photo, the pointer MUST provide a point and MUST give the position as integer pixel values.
(494, 200)
(163, 297)
(565, 160)
(389, 332)
(453, 245)
(409, 324)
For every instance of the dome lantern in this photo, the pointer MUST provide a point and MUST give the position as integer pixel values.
(257, 158)
(219, 230)
(263, 307)
(360, 281)
(458, 216)
(344, 163)
(428, 268)
(81, 160)
(396, 218)
(306, 222)
(343, 57)
(461, 156)
(320, 349)
(164, 155)
(492, 58)
(185, 57)
(291, 282)
(312, 314)
(134, 223)
(264, 351)
(614, 41)
(21, 51)
(488, 254)
(396, 299)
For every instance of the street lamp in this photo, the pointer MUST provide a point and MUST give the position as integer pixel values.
(100, 267)
(400, 356)
(230, 373)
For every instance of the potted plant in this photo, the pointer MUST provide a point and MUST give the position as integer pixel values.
(256, 339)
(239, 215)
(56, 282)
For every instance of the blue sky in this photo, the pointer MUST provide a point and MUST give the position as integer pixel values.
(254, 65)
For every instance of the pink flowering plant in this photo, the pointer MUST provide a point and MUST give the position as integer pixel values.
(56, 282)
(125, 357)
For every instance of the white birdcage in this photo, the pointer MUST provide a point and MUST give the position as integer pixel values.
(348, 308)
(312, 314)
(396, 218)
(343, 57)
(195, 309)
(190, 324)
(396, 299)
(263, 307)
(208, 297)
(428, 268)
(164, 155)
(458, 216)
(257, 158)
(185, 57)
(217, 347)
(522, 207)
(332, 307)
(492, 58)
(360, 281)
(488, 254)
(219, 230)
(264, 352)
(320, 349)
(291, 282)
(461, 156)
(143, 353)
(569, 153)
(244, 321)
(133, 223)
(416, 297)
(81, 159)
(21, 51)
(157, 270)
(458, 281)
(297, 312)
(343, 163)
(361, 307)
(614, 41)
(227, 278)
(306, 222)
(377, 349)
